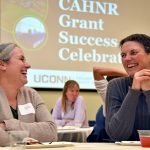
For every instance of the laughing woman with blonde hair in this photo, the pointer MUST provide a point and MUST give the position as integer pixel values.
(21, 108)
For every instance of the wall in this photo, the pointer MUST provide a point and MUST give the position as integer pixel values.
(92, 99)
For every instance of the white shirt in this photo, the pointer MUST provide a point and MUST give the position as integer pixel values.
(101, 87)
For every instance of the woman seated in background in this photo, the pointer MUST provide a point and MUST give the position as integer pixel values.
(101, 82)
(70, 109)
(21, 108)
(99, 134)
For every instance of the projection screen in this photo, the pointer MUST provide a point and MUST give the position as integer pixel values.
(64, 39)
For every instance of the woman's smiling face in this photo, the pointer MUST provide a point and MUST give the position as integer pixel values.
(134, 57)
(17, 67)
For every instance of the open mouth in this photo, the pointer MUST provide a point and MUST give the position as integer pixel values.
(130, 66)
(24, 73)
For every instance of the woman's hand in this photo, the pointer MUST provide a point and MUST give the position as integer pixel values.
(2, 125)
(67, 120)
(141, 80)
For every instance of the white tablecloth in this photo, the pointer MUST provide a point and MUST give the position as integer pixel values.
(91, 146)
(74, 134)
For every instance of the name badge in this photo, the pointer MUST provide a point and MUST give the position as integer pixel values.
(26, 109)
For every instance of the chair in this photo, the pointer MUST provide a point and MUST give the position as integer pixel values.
(99, 134)
(91, 123)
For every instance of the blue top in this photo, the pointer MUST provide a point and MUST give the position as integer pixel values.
(127, 110)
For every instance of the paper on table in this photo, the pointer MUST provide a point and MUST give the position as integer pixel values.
(130, 143)
(48, 145)
(67, 128)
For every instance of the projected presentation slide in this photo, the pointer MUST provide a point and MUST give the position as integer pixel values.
(64, 39)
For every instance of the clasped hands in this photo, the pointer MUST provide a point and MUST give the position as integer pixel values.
(67, 120)
(141, 80)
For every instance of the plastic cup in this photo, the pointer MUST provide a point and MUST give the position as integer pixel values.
(16, 139)
(144, 136)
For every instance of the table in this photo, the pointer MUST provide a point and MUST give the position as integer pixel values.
(101, 146)
(74, 134)
(91, 146)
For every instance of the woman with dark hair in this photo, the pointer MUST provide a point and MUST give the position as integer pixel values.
(70, 109)
(128, 98)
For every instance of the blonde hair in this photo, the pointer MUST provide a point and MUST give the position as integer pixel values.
(68, 84)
